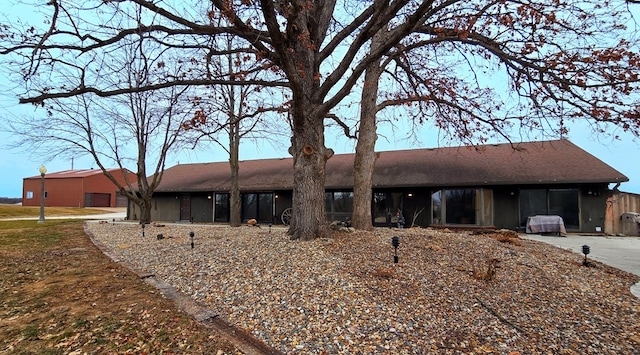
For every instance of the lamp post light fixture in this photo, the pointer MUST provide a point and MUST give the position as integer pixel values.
(395, 241)
(191, 235)
(42, 170)
(586, 251)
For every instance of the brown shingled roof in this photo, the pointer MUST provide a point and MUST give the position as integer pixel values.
(547, 162)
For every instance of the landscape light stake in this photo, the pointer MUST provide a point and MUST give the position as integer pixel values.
(143, 229)
(269, 228)
(585, 250)
(42, 170)
(191, 234)
(395, 241)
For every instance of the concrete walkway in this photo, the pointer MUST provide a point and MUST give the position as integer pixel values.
(620, 252)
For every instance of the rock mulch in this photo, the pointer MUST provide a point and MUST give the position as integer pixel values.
(450, 293)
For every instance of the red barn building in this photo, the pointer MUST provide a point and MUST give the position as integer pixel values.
(77, 188)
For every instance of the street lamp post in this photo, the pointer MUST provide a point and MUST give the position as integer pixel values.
(43, 171)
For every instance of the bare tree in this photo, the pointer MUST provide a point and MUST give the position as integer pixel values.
(291, 39)
(139, 128)
(550, 50)
(505, 70)
(241, 113)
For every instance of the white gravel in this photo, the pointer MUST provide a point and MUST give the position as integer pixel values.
(345, 295)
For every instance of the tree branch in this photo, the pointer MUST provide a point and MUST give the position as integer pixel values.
(106, 93)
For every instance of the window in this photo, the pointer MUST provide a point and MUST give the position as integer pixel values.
(265, 208)
(379, 207)
(462, 206)
(436, 207)
(557, 202)
(343, 202)
(258, 206)
(222, 208)
(250, 206)
(385, 206)
(338, 205)
(29, 195)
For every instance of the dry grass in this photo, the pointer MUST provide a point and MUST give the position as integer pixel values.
(17, 211)
(61, 295)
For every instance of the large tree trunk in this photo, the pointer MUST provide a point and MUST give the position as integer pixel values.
(365, 157)
(144, 203)
(298, 55)
(309, 160)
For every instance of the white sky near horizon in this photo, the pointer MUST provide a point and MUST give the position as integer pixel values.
(623, 155)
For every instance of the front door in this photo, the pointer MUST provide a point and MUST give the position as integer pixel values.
(185, 207)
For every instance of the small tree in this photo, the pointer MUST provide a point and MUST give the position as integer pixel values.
(139, 128)
(240, 111)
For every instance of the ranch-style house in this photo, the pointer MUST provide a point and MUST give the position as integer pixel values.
(490, 186)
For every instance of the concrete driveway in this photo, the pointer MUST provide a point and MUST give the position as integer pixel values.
(620, 252)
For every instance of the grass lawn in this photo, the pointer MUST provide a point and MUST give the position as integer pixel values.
(17, 211)
(60, 294)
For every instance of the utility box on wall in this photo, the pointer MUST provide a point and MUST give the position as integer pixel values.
(630, 223)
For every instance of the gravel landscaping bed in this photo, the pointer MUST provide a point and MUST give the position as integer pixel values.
(451, 292)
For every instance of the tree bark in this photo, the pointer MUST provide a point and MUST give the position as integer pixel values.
(234, 142)
(365, 156)
(144, 203)
(234, 148)
(309, 161)
(298, 53)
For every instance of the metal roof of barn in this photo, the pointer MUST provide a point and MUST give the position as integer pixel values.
(75, 173)
(528, 163)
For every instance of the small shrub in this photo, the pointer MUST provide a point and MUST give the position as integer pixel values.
(485, 272)
(31, 332)
(433, 247)
(506, 239)
(384, 273)
(505, 236)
